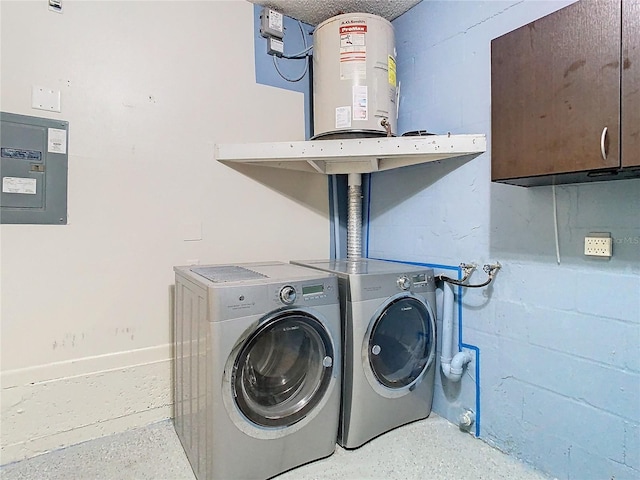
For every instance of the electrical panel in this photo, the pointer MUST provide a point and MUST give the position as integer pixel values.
(33, 167)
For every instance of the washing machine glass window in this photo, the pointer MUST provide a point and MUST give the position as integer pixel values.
(283, 370)
(401, 343)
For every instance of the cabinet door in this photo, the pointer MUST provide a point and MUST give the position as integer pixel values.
(630, 83)
(555, 88)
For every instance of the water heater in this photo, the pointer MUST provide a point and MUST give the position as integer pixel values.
(354, 77)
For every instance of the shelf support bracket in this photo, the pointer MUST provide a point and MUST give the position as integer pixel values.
(315, 166)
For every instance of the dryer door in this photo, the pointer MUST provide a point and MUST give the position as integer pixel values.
(283, 369)
(401, 342)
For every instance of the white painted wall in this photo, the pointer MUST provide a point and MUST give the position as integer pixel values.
(147, 88)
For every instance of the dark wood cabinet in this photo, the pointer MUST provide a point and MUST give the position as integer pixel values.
(565, 96)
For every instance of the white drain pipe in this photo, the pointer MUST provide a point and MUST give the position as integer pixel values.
(452, 365)
(354, 217)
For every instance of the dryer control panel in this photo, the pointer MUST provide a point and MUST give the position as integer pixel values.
(416, 282)
(372, 286)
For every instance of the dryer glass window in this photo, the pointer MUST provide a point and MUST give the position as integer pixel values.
(283, 370)
(401, 343)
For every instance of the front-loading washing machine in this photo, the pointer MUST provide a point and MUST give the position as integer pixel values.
(258, 367)
(388, 345)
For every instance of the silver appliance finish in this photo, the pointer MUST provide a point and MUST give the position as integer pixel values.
(388, 344)
(258, 368)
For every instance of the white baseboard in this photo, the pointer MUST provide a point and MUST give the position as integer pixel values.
(52, 406)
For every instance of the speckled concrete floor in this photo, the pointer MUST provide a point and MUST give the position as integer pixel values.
(432, 448)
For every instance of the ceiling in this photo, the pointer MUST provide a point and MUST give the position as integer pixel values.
(314, 12)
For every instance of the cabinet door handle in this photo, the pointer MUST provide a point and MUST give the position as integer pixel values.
(603, 137)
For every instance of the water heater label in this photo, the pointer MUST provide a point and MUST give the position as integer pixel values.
(360, 111)
(392, 71)
(353, 50)
(353, 34)
(343, 117)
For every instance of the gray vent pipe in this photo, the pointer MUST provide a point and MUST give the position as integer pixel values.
(354, 217)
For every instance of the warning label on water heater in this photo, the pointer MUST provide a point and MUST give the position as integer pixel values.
(343, 117)
(353, 49)
(360, 102)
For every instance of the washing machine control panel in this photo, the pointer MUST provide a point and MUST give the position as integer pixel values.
(308, 293)
(288, 295)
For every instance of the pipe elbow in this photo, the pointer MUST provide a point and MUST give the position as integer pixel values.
(454, 368)
(450, 374)
(460, 360)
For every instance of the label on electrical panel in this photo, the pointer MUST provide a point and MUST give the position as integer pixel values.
(353, 50)
(57, 141)
(360, 111)
(19, 185)
(343, 117)
(21, 154)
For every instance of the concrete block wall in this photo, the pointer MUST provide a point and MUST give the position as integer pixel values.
(560, 374)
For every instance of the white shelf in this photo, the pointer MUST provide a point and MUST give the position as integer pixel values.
(362, 155)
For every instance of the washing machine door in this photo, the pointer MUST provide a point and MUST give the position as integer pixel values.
(401, 342)
(283, 369)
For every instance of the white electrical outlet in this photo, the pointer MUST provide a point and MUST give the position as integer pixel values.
(598, 244)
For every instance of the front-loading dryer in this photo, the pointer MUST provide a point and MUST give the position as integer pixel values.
(258, 367)
(388, 345)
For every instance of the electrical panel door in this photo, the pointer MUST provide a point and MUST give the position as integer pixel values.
(34, 158)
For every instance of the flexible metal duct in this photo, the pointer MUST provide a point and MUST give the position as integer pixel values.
(354, 217)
